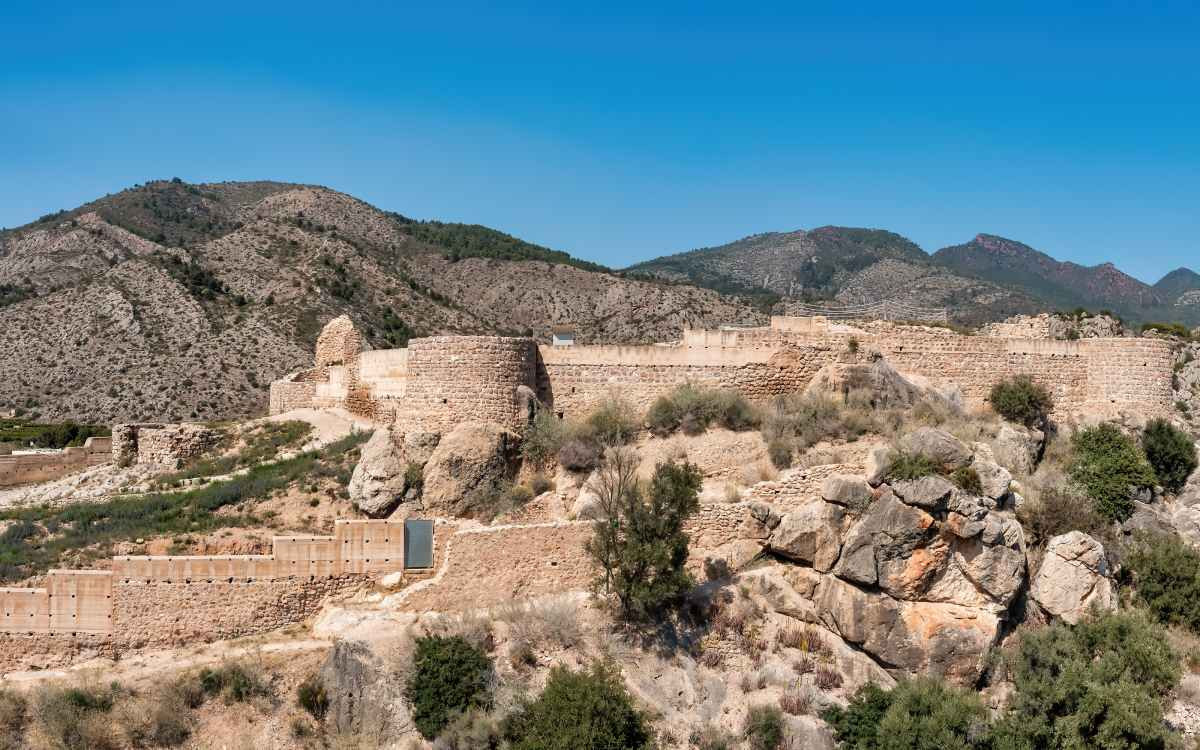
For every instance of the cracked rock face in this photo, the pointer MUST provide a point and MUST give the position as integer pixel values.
(939, 445)
(1073, 578)
(919, 580)
(377, 485)
(466, 466)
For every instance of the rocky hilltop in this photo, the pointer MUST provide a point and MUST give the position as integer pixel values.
(178, 301)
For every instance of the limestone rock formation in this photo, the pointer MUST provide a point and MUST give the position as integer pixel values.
(365, 697)
(994, 478)
(939, 445)
(467, 466)
(378, 482)
(1017, 448)
(919, 577)
(877, 382)
(879, 463)
(1073, 578)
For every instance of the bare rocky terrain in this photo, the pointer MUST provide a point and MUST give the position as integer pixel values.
(176, 301)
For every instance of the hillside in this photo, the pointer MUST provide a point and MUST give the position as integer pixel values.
(179, 301)
(840, 263)
(1177, 284)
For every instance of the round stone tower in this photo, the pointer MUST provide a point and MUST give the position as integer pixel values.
(454, 379)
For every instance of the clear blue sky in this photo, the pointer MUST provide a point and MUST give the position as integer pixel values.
(619, 131)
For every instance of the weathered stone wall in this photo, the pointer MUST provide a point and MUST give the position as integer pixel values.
(452, 379)
(173, 445)
(440, 381)
(487, 566)
(42, 467)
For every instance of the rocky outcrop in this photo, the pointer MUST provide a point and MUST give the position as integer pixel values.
(466, 468)
(1017, 448)
(945, 449)
(919, 574)
(378, 482)
(365, 697)
(875, 382)
(1074, 577)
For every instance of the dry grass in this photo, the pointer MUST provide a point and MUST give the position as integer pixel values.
(797, 702)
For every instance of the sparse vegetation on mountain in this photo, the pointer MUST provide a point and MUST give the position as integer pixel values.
(1171, 453)
(475, 241)
(1110, 468)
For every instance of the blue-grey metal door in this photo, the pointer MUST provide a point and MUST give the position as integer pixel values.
(418, 543)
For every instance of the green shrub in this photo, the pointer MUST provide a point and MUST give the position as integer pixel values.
(414, 477)
(1099, 684)
(1110, 468)
(612, 423)
(473, 729)
(312, 696)
(585, 710)
(967, 480)
(1021, 400)
(1171, 453)
(917, 714)
(1166, 572)
(692, 410)
(764, 728)
(907, 466)
(450, 675)
(780, 452)
(73, 718)
(544, 437)
(641, 549)
(237, 682)
(805, 420)
(1056, 511)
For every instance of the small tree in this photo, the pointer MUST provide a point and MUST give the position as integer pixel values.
(639, 544)
(1166, 573)
(449, 676)
(917, 714)
(1170, 452)
(1021, 400)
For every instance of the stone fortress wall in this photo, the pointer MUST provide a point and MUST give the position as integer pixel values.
(147, 600)
(439, 381)
(27, 468)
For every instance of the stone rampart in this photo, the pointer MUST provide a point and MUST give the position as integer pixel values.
(443, 380)
(164, 446)
(27, 468)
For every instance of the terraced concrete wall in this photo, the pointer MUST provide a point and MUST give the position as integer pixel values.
(167, 599)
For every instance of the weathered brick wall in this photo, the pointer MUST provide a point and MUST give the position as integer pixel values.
(451, 379)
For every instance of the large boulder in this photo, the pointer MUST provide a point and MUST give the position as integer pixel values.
(893, 546)
(812, 534)
(850, 491)
(938, 445)
(930, 493)
(1017, 448)
(378, 483)
(365, 697)
(878, 464)
(466, 468)
(876, 382)
(1074, 577)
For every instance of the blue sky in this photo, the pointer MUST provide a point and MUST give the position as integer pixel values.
(618, 131)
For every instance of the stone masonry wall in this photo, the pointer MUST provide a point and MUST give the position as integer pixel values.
(451, 379)
(42, 467)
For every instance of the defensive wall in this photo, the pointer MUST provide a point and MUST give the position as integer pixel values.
(27, 468)
(442, 380)
(170, 600)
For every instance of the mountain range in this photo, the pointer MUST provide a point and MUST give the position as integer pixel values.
(172, 300)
